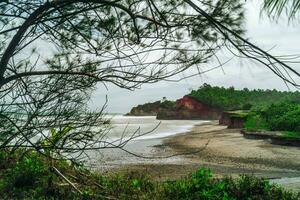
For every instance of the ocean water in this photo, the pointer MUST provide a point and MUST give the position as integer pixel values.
(148, 127)
(147, 135)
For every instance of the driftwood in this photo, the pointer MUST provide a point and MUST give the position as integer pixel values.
(73, 185)
(66, 179)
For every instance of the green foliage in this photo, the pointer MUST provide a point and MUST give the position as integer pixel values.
(255, 121)
(231, 99)
(291, 134)
(25, 175)
(27, 179)
(49, 143)
(238, 113)
(277, 8)
(127, 186)
(283, 116)
(250, 187)
(168, 104)
(153, 108)
(247, 106)
(148, 107)
(26, 172)
(199, 185)
(21, 175)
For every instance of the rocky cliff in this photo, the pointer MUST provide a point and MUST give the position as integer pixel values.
(148, 109)
(234, 119)
(184, 108)
(189, 108)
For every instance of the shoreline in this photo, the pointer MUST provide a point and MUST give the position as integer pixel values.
(229, 149)
(227, 153)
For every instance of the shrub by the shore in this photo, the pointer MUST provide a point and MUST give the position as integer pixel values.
(284, 117)
(27, 177)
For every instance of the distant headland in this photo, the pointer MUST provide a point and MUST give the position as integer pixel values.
(209, 102)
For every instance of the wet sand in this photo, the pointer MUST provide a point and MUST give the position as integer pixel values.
(228, 148)
(226, 152)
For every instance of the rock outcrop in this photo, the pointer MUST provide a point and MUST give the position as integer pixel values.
(148, 109)
(274, 137)
(233, 119)
(189, 108)
(184, 108)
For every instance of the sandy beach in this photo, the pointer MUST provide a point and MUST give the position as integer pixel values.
(225, 152)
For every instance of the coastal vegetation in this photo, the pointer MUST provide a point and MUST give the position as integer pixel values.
(53, 55)
(284, 117)
(152, 108)
(232, 99)
(269, 110)
(26, 175)
(93, 43)
(264, 109)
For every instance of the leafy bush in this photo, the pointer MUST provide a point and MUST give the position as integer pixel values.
(24, 172)
(15, 184)
(199, 185)
(276, 117)
(255, 121)
(27, 172)
(250, 187)
(168, 104)
(247, 106)
(287, 120)
(291, 134)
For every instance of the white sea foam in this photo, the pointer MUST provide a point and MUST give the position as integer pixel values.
(148, 127)
(144, 145)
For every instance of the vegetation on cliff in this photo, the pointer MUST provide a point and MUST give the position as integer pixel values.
(226, 99)
(26, 176)
(152, 108)
(232, 99)
(284, 116)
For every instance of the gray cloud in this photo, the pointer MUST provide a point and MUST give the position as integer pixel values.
(282, 37)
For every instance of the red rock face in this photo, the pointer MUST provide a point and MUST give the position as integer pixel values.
(189, 108)
(190, 104)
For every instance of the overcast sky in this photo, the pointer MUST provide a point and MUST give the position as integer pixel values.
(281, 36)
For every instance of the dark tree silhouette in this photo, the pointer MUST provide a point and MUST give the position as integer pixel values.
(124, 42)
(277, 8)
